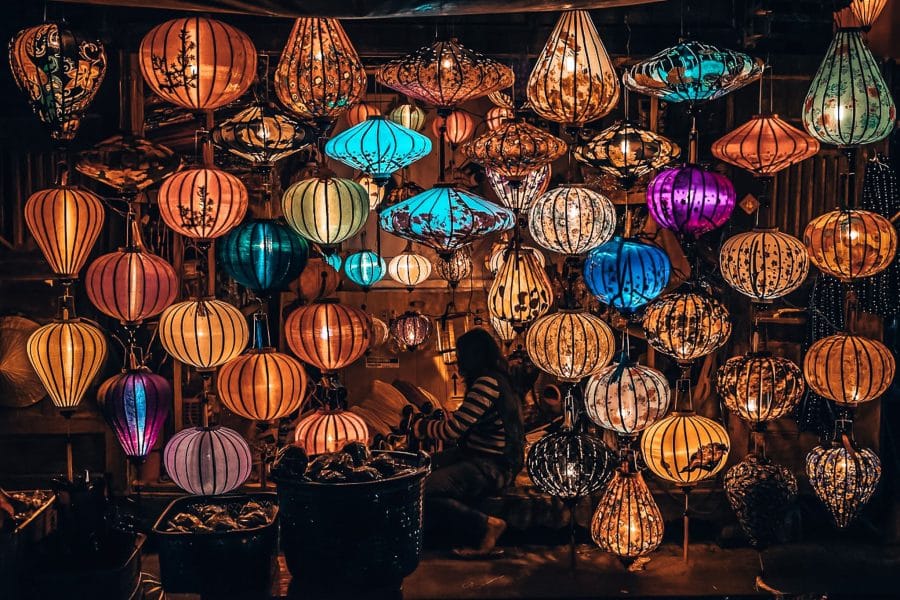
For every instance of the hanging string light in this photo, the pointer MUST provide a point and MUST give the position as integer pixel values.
(881, 194)
(514, 149)
(570, 344)
(329, 430)
(455, 268)
(326, 210)
(203, 203)
(626, 273)
(627, 152)
(850, 244)
(262, 135)
(365, 268)
(849, 369)
(571, 220)
(760, 493)
(518, 196)
(408, 268)
(208, 461)
(379, 147)
(411, 329)
(458, 127)
(764, 264)
(626, 397)
(328, 335)
(262, 255)
(204, 333)
(690, 200)
(759, 387)
(409, 116)
(521, 291)
(686, 325)
(360, 112)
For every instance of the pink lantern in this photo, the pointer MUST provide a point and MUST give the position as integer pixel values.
(208, 461)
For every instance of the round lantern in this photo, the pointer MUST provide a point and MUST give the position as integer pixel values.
(520, 195)
(764, 264)
(208, 461)
(319, 74)
(365, 268)
(686, 326)
(455, 268)
(498, 116)
(409, 268)
(380, 332)
(573, 81)
(319, 279)
(411, 329)
(759, 387)
(504, 330)
(379, 147)
(844, 478)
(690, 200)
(262, 385)
(326, 210)
(135, 403)
(521, 291)
(570, 344)
(626, 397)
(867, 11)
(571, 220)
(409, 116)
(760, 493)
(329, 431)
(262, 135)
(203, 203)
(627, 152)
(514, 149)
(627, 521)
(627, 274)
(197, 63)
(850, 244)
(458, 127)
(65, 222)
(360, 112)
(849, 369)
(765, 145)
(328, 335)
(262, 255)
(567, 464)
(334, 260)
(204, 333)
(127, 163)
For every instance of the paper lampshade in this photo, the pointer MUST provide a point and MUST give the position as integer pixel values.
(626, 273)
(520, 195)
(127, 163)
(759, 387)
(204, 333)
(262, 384)
(208, 461)
(330, 430)
(328, 335)
(365, 268)
(521, 291)
(690, 200)
(135, 403)
(262, 255)
(626, 397)
(571, 219)
(627, 521)
(411, 329)
(262, 135)
(570, 344)
(379, 147)
(409, 269)
(360, 112)
(514, 149)
(326, 210)
(764, 264)
(849, 369)
(459, 127)
(850, 244)
(765, 145)
(409, 116)
(627, 152)
(202, 204)
(686, 326)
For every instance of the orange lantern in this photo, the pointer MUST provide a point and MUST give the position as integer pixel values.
(849, 369)
(850, 244)
(360, 112)
(459, 127)
(765, 145)
(318, 279)
(515, 149)
(204, 333)
(497, 116)
(203, 203)
(328, 335)
(330, 430)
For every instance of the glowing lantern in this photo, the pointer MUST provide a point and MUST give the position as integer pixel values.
(455, 268)
(499, 255)
(627, 274)
(514, 149)
(627, 521)
(627, 152)
(411, 329)
(570, 344)
(365, 268)
(127, 163)
(203, 203)
(375, 191)
(759, 387)
(319, 74)
(521, 195)
(504, 330)
(764, 264)
(571, 219)
(379, 147)
(330, 430)
(319, 279)
(208, 461)
(760, 493)
(360, 112)
(197, 63)
(573, 81)
(409, 268)
(765, 145)
(204, 333)
(328, 335)
(521, 291)
(409, 116)
(498, 116)
(326, 210)
(867, 11)
(690, 200)
(849, 369)
(459, 127)
(626, 397)
(135, 403)
(850, 244)
(262, 135)
(380, 332)
(686, 326)
(262, 255)
(334, 260)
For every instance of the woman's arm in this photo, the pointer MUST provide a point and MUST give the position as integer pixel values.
(479, 399)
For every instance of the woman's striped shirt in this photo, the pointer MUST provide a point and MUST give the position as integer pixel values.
(477, 422)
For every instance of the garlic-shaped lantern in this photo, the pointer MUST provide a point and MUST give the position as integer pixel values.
(204, 333)
(570, 344)
(521, 291)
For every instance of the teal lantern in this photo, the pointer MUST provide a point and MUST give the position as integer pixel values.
(334, 260)
(365, 268)
(627, 274)
(262, 255)
(379, 147)
(848, 103)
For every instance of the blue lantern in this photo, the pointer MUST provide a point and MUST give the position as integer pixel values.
(626, 273)
(334, 260)
(365, 268)
(379, 147)
(263, 255)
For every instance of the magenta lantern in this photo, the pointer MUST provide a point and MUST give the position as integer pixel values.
(690, 200)
(135, 403)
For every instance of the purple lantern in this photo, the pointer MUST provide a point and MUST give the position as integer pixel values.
(690, 200)
(208, 461)
(135, 403)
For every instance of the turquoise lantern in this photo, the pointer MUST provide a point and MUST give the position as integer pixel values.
(379, 147)
(365, 268)
(333, 260)
(627, 274)
(262, 255)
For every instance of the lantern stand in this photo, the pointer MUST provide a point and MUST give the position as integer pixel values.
(67, 309)
(568, 411)
(683, 388)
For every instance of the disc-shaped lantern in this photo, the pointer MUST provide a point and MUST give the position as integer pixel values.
(360, 112)
(626, 273)
(263, 255)
(128, 163)
(570, 344)
(409, 116)
(765, 145)
(764, 264)
(326, 210)
(208, 461)
(409, 268)
(262, 135)
(202, 204)
(497, 116)
(458, 127)
(571, 219)
(850, 244)
(844, 478)
(759, 387)
(60, 71)
(365, 268)
(328, 335)
(328, 430)
(379, 147)
(521, 291)
(514, 149)
(573, 81)
(455, 268)
(686, 325)
(518, 196)
(411, 329)
(319, 74)
(627, 152)
(627, 521)
(690, 200)
(849, 369)
(135, 403)
(626, 397)
(318, 280)
(569, 464)
(760, 493)
(849, 103)
(197, 63)
(204, 333)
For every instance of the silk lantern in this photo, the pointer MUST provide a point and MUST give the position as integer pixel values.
(380, 332)
(626, 397)
(764, 264)
(409, 268)
(208, 461)
(379, 147)
(360, 112)
(365, 268)
(627, 521)
(326, 210)
(514, 149)
(375, 191)
(627, 152)
(458, 127)
(204, 333)
(521, 291)
(765, 145)
(327, 430)
(760, 493)
(262, 135)
(409, 116)
(686, 325)
(504, 330)
(318, 280)
(262, 255)
(202, 204)
(411, 329)
(520, 195)
(497, 116)
(849, 369)
(455, 268)
(570, 344)
(571, 220)
(626, 273)
(328, 335)
(759, 387)
(135, 404)
(867, 11)
(127, 163)
(850, 244)
(495, 261)
(690, 200)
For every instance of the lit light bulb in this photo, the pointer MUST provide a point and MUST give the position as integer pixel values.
(569, 64)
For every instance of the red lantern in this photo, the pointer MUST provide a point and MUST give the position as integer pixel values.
(459, 127)
(329, 431)
(328, 335)
(202, 203)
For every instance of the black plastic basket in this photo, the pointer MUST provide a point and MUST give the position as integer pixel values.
(217, 563)
(347, 536)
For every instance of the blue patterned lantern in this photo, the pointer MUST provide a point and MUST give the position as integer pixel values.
(365, 268)
(379, 147)
(445, 218)
(263, 255)
(626, 273)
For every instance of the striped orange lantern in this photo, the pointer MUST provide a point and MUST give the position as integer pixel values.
(849, 369)
(203, 203)
(328, 335)
(360, 112)
(330, 430)
(459, 127)
(204, 333)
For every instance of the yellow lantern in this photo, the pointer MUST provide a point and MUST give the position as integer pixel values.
(570, 344)
(326, 210)
(627, 521)
(849, 369)
(571, 219)
(328, 335)
(504, 330)
(204, 333)
(850, 244)
(626, 397)
(409, 116)
(759, 387)
(330, 430)
(203, 203)
(521, 291)
(409, 268)
(764, 264)
(686, 326)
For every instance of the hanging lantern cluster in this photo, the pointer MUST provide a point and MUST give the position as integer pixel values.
(690, 200)
(455, 268)
(328, 335)
(760, 493)
(518, 196)
(626, 397)
(326, 210)
(135, 403)
(262, 135)
(409, 269)
(202, 204)
(204, 333)
(686, 325)
(627, 152)
(570, 344)
(571, 220)
(411, 329)
(365, 268)
(764, 264)
(849, 369)
(208, 461)
(329, 430)
(379, 147)
(626, 273)
(521, 291)
(127, 163)
(850, 244)
(262, 255)
(514, 149)
(759, 387)
(627, 521)
(409, 116)
(765, 145)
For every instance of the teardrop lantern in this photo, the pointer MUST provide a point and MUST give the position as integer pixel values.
(570, 344)
(627, 152)
(849, 369)
(458, 127)
(365, 268)
(262, 135)
(690, 200)
(850, 244)
(626, 273)
(409, 269)
(379, 147)
(203, 333)
(686, 325)
(759, 387)
(327, 430)
(328, 335)
(627, 521)
(504, 330)
(571, 219)
(765, 145)
(409, 116)
(455, 268)
(520, 195)
(514, 149)
(360, 112)
(208, 461)
(764, 264)
(203, 203)
(760, 493)
(521, 291)
(262, 255)
(326, 210)
(127, 163)
(626, 397)
(135, 403)
(411, 329)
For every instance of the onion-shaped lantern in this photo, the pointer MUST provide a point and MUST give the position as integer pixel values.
(849, 369)
(686, 325)
(626, 273)
(569, 464)
(849, 103)
(520, 195)
(262, 135)
(204, 333)
(365, 268)
(692, 72)
(458, 127)
(360, 112)
(627, 152)
(498, 116)
(318, 280)
(445, 74)
(445, 218)
(690, 200)
(263, 255)
(135, 403)
(759, 387)
(319, 74)
(202, 204)
(409, 268)
(867, 11)
(514, 149)
(411, 329)
(375, 191)
(571, 219)
(521, 291)
(328, 430)
(570, 344)
(765, 145)
(197, 63)
(379, 147)
(65, 222)
(764, 264)
(60, 71)
(627, 521)
(496, 259)
(328, 335)
(409, 116)
(573, 81)
(326, 210)
(850, 244)
(455, 268)
(760, 493)
(626, 397)
(127, 163)
(208, 461)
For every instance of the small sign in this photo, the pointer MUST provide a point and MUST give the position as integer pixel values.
(382, 362)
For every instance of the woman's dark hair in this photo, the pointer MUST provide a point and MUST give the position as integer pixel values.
(477, 354)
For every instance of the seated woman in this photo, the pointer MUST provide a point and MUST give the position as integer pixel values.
(489, 452)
